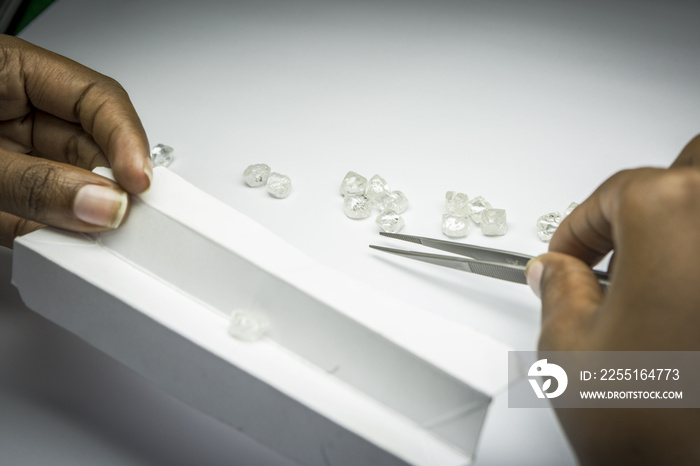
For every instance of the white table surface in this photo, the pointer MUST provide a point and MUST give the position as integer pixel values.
(530, 104)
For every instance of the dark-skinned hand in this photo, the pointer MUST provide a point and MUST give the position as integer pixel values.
(651, 219)
(58, 121)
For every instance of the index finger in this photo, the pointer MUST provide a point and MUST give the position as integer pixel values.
(75, 93)
(587, 233)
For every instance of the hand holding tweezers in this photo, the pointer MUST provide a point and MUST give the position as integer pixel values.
(495, 263)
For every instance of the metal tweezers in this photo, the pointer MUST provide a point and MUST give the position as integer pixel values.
(495, 263)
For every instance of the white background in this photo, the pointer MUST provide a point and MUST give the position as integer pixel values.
(530, 104)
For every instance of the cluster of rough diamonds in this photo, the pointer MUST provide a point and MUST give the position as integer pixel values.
(260, 174)
(362, 196)
(162, 155)
(547, 224)
(460, 211)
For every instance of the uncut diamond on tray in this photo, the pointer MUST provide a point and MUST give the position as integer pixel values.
(256, 175)
(377, 190)
(394, 200)
(246, 326)
(547, 224)
(390, 221)
(353, 184)
(457, 203)
(477, 206)
(357, 206)
(455, 226)
(493, 222)
(279, 185)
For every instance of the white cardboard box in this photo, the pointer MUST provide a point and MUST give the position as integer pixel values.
(345, 375)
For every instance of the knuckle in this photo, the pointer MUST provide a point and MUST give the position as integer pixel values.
(82, 151)
(688, 181)
(18, 227)
(649, 195)
(12, 82)
(73, 148)
(657, 189)
(106, 88)
(668, 190)
(34, 190)
(113, 85)
(100, 96)
(8, 228)
(24, 226)
(12, 226)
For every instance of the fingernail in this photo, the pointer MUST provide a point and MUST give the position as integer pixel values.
(100, 205)
(148, 170)
(533, 275)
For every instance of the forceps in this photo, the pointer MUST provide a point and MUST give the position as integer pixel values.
(495, 263)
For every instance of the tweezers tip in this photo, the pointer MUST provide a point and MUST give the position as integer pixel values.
(412, 239)
(391, 250)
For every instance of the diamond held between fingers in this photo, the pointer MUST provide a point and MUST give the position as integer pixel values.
(162, 155)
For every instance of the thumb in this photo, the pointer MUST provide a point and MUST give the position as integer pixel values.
(570, 296)
(58, 194)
